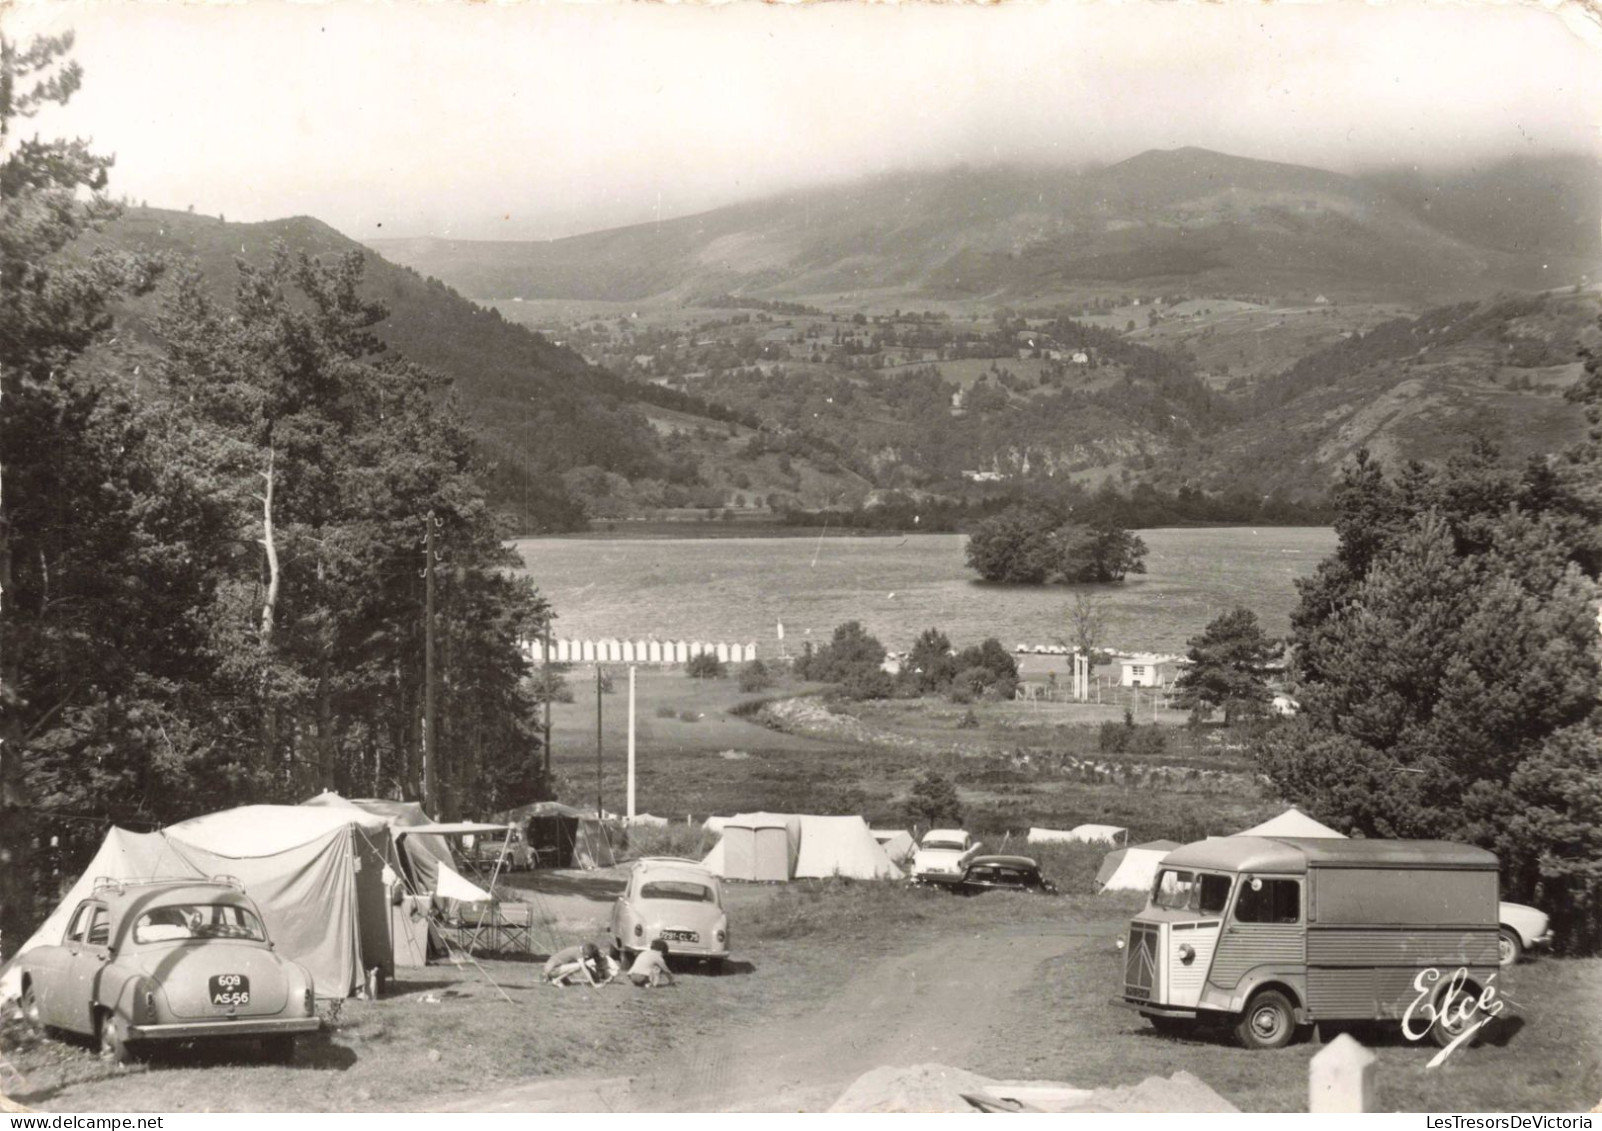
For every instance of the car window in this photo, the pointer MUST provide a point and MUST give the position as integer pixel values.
(676, 889)
(1178, 890)
(176, 922)
(1272, 901)
(80, 922)
(986, 875)
(100, 928)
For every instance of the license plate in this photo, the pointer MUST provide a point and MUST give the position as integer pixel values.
(681, 936)
(229, 989)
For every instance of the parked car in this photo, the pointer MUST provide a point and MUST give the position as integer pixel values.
(168, 960)
(943, 855)
(677, 901)
(1522, 928)
(519, 854)
(1004, 873)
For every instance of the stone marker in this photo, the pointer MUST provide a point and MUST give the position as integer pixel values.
(1340, 1077)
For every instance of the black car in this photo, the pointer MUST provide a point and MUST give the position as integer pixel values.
(1007, 873)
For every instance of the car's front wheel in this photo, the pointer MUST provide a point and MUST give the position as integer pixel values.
(113, 1041)
(1509, 949)
(1268, 1023)
(30, 1008)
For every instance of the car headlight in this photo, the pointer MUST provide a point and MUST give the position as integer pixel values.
(723, 936)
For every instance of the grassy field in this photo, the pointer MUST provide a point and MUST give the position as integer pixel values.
(701, 750)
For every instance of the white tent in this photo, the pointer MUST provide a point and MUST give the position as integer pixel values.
(897, 844)
(1292, 822)
(316, 873)
(420, 855)
(714, 824)
(815, 847)
(1080, 834)
(842, 846)
(1133, 868)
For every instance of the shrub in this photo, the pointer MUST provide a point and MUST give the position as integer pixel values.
(969, 721)
(755, 676)
(705, 666)
(666, 712)
(689, 717)
(933, 801)
(868, 683)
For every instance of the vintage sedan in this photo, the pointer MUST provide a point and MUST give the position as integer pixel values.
(677, 901)
(168, 960)
(943, 855)
(1003, 873)
(1520, 929)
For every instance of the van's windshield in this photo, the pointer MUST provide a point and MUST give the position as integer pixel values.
(1206, 893)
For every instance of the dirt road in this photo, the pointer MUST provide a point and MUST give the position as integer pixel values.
(937, 1003)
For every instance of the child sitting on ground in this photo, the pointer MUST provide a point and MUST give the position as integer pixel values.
(651, 968)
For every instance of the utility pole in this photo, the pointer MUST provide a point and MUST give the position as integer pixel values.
(631, 745)
(547, 700)
(597, 741)
(430, 769)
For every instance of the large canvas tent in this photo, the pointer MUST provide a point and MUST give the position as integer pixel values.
(316, 873)
(420, 855)
(897, 844)
(562, 836)
(1133, 868)
(1292, 822)
(757, 846)
(827, 846)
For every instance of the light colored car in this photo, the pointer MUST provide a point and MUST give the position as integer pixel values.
(677, 901)
(519, 855)
(168, 960)
(943, 856)
(1522, 928)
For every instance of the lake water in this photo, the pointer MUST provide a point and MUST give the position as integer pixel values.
(740, 589)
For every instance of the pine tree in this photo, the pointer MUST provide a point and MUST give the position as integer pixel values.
(1229, 668)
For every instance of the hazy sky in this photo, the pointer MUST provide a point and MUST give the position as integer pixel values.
(536, 120)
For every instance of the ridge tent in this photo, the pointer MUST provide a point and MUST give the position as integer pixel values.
(1133, 868)
(562, 836)
(420, 855)
(1292, 822)
(757, 846)
(841, 846)
(898, 844)
(317, 874)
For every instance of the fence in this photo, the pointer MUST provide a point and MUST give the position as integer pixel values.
(610, 651)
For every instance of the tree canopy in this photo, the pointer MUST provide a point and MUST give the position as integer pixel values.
(1028, 544)
(1228, 670)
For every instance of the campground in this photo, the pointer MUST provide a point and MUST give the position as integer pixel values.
(831, 978)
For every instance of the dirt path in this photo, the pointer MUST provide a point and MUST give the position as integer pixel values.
(936, 1003)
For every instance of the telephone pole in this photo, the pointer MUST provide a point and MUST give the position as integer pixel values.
(597, 741)
(430, 768)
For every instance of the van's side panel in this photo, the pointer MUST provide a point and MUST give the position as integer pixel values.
(1242, 949)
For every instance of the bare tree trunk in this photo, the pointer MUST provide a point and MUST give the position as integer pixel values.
(16, 814)
(269, 609)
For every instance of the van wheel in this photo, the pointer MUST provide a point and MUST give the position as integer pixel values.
(1508, 947)
(113, 1043)
(1268, 1023)
(1453, 1016)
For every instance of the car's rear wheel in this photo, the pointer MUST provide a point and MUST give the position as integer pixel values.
(113, 1041)
(1268, 1023)
(30, 1008)
(1509, 949)
(279, 1048)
